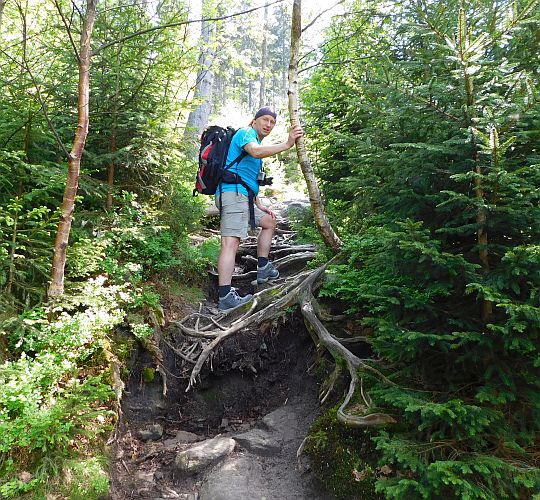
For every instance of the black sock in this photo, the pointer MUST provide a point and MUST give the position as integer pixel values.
(262, 261)
(224, 290)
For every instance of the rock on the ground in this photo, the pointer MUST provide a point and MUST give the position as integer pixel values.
(238, 478)
(295, 207)
(182, 437)
(151, 432)
(186, 437)
(258, 441)
(198, 457)
(283, 421)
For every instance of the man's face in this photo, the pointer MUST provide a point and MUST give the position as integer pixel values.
(264, 125)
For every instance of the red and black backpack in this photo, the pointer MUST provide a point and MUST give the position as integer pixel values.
(215, 142)
(213, 170)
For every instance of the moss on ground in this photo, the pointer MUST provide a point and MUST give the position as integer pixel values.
(343, 459)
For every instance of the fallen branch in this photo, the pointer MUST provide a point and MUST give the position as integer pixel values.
(192, 332)
(179, 353)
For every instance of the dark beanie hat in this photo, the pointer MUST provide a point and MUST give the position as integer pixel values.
(265, 111)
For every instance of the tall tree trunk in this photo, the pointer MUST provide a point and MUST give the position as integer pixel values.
(264, 60)
(2, 5)
(481, 214)
(198, 118)
(328, 234)
(284, 55)
(56, 288)
(111, 169)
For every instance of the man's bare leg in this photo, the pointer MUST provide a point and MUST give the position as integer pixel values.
(264, 242)
(227, 258)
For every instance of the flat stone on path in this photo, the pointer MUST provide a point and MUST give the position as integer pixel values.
(186, 437)
(258, 441)
(199, 456)
(238, 478)
(285, 422)
(151, 432)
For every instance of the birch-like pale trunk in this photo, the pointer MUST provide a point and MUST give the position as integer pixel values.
(2, 5)
(198, 118)
(330, 238)
(56, 288)
(264, 61)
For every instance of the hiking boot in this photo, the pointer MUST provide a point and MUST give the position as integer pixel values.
(232, 300)
(268, 272)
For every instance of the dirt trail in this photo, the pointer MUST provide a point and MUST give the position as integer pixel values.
(258, 390)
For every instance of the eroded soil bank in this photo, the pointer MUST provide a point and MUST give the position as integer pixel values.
(261, 393)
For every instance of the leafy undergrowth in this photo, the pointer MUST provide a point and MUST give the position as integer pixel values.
(61, 376)
(55, 397)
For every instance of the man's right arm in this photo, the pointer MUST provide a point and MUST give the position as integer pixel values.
(262, 151)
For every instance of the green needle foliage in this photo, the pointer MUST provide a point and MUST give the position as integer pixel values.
(430, 143)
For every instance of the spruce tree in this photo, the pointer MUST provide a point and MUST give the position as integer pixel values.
(430, 142)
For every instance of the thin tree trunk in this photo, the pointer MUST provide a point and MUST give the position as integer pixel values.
(284, 54)
(481, 214)
(112, 166)
(264, 57)
(13, 248)
(15, 234)
(198, 118)
(56, 287)
(2, 5)
(328, 234)
(110, 172)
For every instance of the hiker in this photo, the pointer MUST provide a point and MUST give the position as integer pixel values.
(233, 199)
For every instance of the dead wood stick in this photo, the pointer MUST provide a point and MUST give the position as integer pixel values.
(285, 248)
(198, 317)
(293, 258)
(178, 352)
(194, 333)
(328, 386)
(206, 327)
(353, 340)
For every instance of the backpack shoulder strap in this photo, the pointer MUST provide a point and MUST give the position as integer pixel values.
(236, 161)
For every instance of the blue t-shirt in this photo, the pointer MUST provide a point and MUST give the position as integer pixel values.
(248, 168)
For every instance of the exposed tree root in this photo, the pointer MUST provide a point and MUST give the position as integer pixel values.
(354, 365)
(208, 331)
(117, 382)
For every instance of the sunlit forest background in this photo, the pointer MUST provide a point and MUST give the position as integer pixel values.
(422, 121)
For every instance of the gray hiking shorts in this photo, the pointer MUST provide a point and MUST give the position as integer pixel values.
(235, 214)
